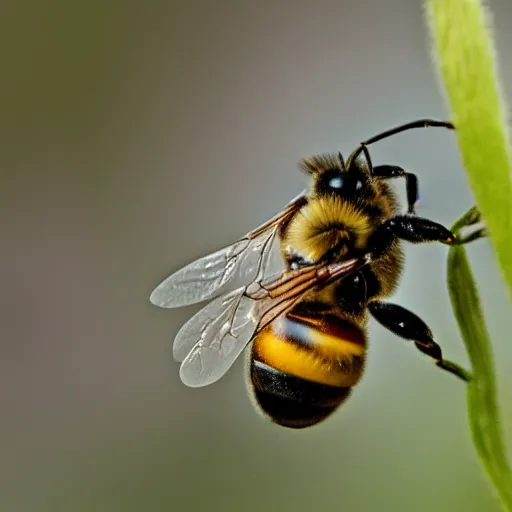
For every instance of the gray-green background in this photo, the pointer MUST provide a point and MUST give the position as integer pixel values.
(138, 136)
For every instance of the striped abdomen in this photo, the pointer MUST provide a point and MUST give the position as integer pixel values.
(303, 368)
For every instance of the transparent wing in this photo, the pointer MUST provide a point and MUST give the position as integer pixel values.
(212, 275)
(210, 342)
(244, 261)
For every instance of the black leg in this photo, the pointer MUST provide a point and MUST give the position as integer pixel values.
(406, 324)
(415, 230)
(418, 230)
(412, 229)
(411, 182)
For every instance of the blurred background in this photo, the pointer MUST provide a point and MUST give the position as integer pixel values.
(138, 136)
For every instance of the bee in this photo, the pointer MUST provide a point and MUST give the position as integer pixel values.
(301, 288)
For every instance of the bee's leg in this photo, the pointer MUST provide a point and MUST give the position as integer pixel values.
(407, 325)
(418, 230)
(412, 229)
(415, 230)
(411, 182)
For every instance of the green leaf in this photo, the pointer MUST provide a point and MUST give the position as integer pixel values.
(465, 53)
(482, 403)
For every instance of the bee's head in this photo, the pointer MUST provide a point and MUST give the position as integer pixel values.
(332, 176)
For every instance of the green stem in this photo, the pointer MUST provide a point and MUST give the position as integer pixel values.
(483, 410)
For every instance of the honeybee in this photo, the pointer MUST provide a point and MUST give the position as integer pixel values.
(301, 287)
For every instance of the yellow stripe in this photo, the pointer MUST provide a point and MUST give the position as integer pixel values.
(315, 333)
(334, 347)
(288, 357)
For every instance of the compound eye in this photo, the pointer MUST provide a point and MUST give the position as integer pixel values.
(336, 182)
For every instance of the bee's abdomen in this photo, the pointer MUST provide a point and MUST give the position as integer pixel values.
(303, 368)
(325, 350)
(293, 402)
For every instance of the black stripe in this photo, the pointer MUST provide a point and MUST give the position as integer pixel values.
(290, 388)
(291, 414)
